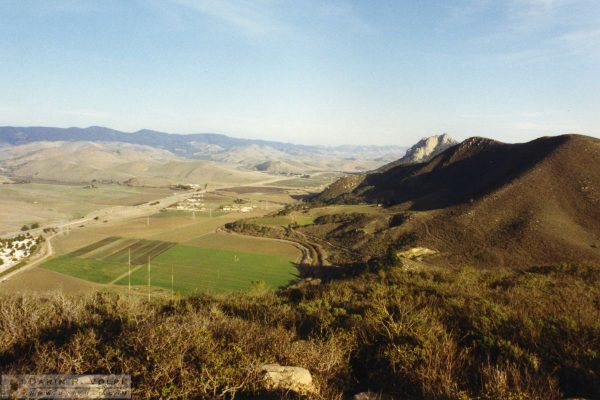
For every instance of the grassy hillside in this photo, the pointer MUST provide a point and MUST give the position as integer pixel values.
(487, 203)
(423, 334)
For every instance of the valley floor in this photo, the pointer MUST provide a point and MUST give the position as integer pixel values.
(186, 247)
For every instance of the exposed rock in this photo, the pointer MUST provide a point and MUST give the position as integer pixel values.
(295, 379)
(416, 253)
(427, 148)
(371, 396)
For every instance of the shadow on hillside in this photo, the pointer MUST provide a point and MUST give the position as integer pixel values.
(331, 272)
(458, 175)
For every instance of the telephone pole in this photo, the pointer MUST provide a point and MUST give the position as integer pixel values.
(148, 278)
(129, 275)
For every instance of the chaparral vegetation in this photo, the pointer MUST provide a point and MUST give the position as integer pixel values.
(423, 334)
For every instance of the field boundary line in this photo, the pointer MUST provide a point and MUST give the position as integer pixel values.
(118, 278)
(304, 249)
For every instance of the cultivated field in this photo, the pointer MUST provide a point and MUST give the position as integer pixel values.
(202, 258)
(196, 270)
(249, 244)
(163, 226)
(44, 280)
(98, 271)
(217, 262)
(123, 250)
(50, 203)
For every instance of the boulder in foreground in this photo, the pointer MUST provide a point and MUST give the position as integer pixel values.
(295, 379)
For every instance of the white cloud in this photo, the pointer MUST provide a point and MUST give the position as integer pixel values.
(581, 42)
(346, 14)
(534, 14)
(250, 18)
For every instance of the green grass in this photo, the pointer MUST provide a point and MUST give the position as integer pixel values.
(283, 220)
(211, 270)
(99, 271)
(304, 220)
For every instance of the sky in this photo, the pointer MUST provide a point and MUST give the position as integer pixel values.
(305, 71)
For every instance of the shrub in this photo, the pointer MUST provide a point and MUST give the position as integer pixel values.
(428, 334)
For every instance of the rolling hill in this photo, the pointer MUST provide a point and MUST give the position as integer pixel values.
(83, 162)
(246, 153)
(488, 203)
(278, 167)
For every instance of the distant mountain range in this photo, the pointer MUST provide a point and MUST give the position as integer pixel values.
(216, 147)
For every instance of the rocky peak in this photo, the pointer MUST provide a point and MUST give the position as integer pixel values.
(427, 148)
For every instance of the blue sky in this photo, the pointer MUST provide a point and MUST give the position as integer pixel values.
(318, 72)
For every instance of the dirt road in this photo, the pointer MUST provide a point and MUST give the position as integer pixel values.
(114, 214)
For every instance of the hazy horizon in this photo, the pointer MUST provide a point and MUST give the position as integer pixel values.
(307, 72)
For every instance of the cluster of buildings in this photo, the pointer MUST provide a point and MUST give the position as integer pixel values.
(243, 209)
(196, 203)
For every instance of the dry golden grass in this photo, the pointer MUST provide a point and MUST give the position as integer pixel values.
(49, 203)
(40, 280)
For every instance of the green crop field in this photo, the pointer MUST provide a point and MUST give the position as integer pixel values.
(99, 271)
(197, 270)
(245, 244)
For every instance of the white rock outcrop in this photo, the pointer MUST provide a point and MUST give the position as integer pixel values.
(427, 148)
(371, 396)
(279, 377)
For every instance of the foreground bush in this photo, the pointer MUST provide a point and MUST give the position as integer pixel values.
(436, 334)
